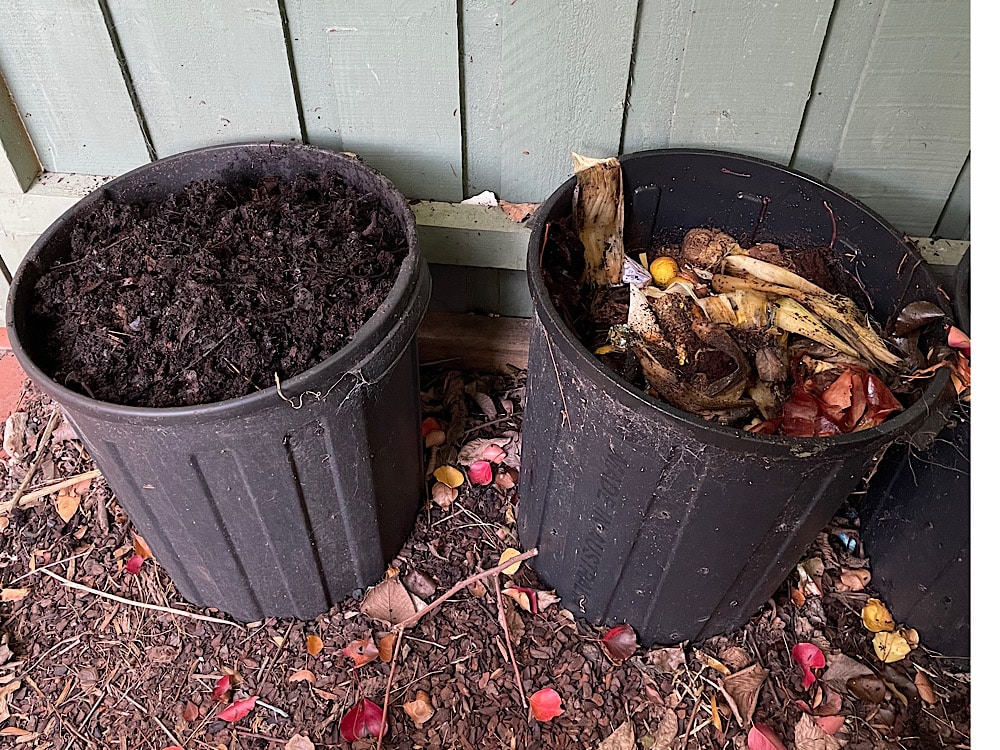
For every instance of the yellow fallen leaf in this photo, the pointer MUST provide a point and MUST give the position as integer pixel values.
(13, 595)
(67, 506)
(890, 647)
(716, 720)
(141, 548)
(302, 674)
(911, 635)
(314, 644)
(449, 475)
(876, 617)
(712, 662)
(505, 556)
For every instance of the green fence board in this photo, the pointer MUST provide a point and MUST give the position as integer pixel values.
(954, 223)
(482, 79)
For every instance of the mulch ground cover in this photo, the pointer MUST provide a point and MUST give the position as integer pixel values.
(84, 670)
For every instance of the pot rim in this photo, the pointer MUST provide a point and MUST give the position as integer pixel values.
(638, 400)
(343, 361)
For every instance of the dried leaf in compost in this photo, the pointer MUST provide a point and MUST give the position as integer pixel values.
(808, 656)
(599, 215)
(623, 738)
(419, 709)
(67, 505)
(506, 555)
(419, 583)
(299, 742)
(365, 719)
(545, 598)
(829, 724)
(867, 687)
(518, 212)
(666, 733)
(481, 449)
(890, 647)
(443, 496)
(389, 602)
(449, 475)
(925, 688)
(545, 704)
(314, 644)
(809, 736)
(667, 659)
(619, 643)
(712, 662)
(302, 675)
(762, 737)
(221, 690)
(876, 617)
(741, 691)
(191, 712)
(525, 598)
(481, 473)
(428, 426)
(13, 595)
(386, 644)
(362, 651)
(134, 564)
(854, 579)
(141, 548)
(435, 439)
(841, 668)
(238, 710)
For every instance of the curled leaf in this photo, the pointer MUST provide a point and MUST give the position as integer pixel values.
(386, 644)
(299, 742)
(876, 617)
(925, 688)
(362, 651)
(619, 643)
(314, 644)
(443, 496)
(741, 691)
(222, 688)
(854, 579)
(958, 340)
(506, 555)
(364, 719)
(236, 711)
(526, 598)
(428, 426)
(419, 709)
(829, 724)
(481, 473)
(303, 675)
(134, 564)
(545, 704)
(449, 475)
(434, 439)
(890, 647)
(141, 548)
(191, 712)
(808, 657)
(762, 737)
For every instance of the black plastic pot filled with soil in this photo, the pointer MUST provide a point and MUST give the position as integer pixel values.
(645, 513)
(232, 332)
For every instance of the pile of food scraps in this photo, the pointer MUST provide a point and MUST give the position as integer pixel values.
(759, 337)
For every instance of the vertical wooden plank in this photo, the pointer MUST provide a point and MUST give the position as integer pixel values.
(906, 134)
(18, 163)
(730, 74)
(59, 63)
(481, 75)
(565, 75)
(207, 73)
(380, 78)
(955, 221)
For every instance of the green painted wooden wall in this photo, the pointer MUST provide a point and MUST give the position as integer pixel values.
(452, 97)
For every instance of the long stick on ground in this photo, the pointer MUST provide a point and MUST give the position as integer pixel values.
(510, 646)
(133, 603)
(68, 482)
(39, 452)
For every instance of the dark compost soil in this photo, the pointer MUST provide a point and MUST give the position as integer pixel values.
(210, 293)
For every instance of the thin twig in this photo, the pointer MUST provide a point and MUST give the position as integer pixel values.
(50, 565)
(555, 369)
(694, 715)
(43, 444)
(61, 485)
(397, 647)
(510, 646)
(141, 605)
(160, 724)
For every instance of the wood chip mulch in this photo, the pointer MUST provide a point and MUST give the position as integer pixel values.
(78, 670)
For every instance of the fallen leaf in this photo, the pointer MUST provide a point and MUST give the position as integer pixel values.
(762, 737)
(419, 709)
(741, 691)
(829, 724)
(506, 555)
(911, 636)
(449, 475)
(712, 662)
(222, 688)
(483, 449)
(810, 736)
(798, 598)
(515, 625)
(925, 688)
(434, 438)
(518, 212)
(840, 668)
(808, 656)
(716, 719)
(428, 426)
(876, 617)
(890, 647)
(478, 589)
(667, 659)
(326, 695)
(623, 738)
(365, 719)
(957, 339)
(314, 644)
(191, 712)
(735, 658)
(443, 496)
(67, 506)
(481, 473)
(303, 675)
(238, 710)
(666, 733)
(854, 579)
(141, 548)
(419, 583)
(134, 564)
(619, 643)
(830, 704)
(386, 644)
(545, 598)
(362, 651)
(162, 654)
(389, 602)
(867, 687)
(545, 704)
(299, 742)
(505, 480)
(13, 595)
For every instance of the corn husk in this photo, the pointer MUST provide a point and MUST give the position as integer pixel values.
(790, 316)
(723, 284)
(843, 316)
(599, 211)
(773, 274)
(718, 309)
(642, 319)
(751, 308)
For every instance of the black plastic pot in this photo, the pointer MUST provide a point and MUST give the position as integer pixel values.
(269, 504)
(649, 515)
(916, 521)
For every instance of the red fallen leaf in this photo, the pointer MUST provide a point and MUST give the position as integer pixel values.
(222, 688)
(808, 657)
(762, 737)
(362, 651)
(619, 643)
(957, 339)
(134, 563)
(829, 724)
(428, 426)
(481, 472)
(494, 454)
(238, 710)
(545, 704)
(363, 720)
(525, 597)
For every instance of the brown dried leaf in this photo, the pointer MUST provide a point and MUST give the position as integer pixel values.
(388, 602)
(666, 733)
(141, 548)
(741, 691)
(419, 709)
(443, 496)
(735, 657)
(667, 659)
(67, 505)
(162, 654)
(299, 742)
(810, 736)
(854, 579)
(314, 644)
(867, 687)
(623, 738)
(386, 644)
(518, 212)
(925, 688)
(362, 651)
(712, 662)
(477, 589)
(479, 449)
(515, 624)
(545, 598)
(13, 595)
(619, 643)
(191, 712)
(302, 675)
(840, 668)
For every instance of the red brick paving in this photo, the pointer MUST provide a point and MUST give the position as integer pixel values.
(11, 378)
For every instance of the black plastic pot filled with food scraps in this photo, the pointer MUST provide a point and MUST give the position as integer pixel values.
(644, 513)
(303, 292)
